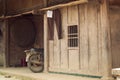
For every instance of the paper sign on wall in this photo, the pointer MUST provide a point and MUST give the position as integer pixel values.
(49, 14)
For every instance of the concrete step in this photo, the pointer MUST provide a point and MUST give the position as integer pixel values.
(116, 73)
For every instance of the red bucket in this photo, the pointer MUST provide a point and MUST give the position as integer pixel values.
(23, 62)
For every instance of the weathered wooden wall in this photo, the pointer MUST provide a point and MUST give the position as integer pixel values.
(13, 7)
(20, 6)
(115, 35)
(1, 8)
(90, 57)
(115, 2)
(2, 42)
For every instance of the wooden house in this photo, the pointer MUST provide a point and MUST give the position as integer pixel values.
(81, 37)
(84, 39)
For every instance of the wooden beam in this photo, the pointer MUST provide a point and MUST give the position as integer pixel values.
(2, 17)
(64, 5)
(29, 12)
(46, 44)
(17, 15)
(24, 13)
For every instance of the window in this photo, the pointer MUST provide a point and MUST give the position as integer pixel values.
(73, 36)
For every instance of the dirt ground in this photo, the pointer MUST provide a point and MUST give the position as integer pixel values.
(23, 73)
(7, 77)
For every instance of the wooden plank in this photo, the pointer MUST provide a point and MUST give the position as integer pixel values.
(115, 36)
(106, 46)
(93, 39)
(17, 15)
(99, 42)
(64, 45)
(65, 5)
(51, 54)
(46, 49)
(57, 49)
(83, 37)
(74, 60)
(45, 3)
(2, 17)
(4, 7)
(73, 20)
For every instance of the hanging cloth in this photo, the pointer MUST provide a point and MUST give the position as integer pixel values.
(56, 19)
(50, 28)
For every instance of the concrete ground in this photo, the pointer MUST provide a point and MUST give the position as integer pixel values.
(26, 74)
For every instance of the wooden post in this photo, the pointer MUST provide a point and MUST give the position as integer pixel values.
(46, 55)
(6, 42)
(106, 42)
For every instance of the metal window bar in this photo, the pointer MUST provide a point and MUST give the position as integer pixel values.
(73, 36)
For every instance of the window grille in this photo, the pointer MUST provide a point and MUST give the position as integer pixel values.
(73, 36)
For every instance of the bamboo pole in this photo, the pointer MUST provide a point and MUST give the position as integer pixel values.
(64, 5)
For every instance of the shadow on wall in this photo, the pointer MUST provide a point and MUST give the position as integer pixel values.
(1, 60)
(1, 45)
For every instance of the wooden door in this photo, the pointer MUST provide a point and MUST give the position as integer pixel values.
(64, 53)
(73, 42)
